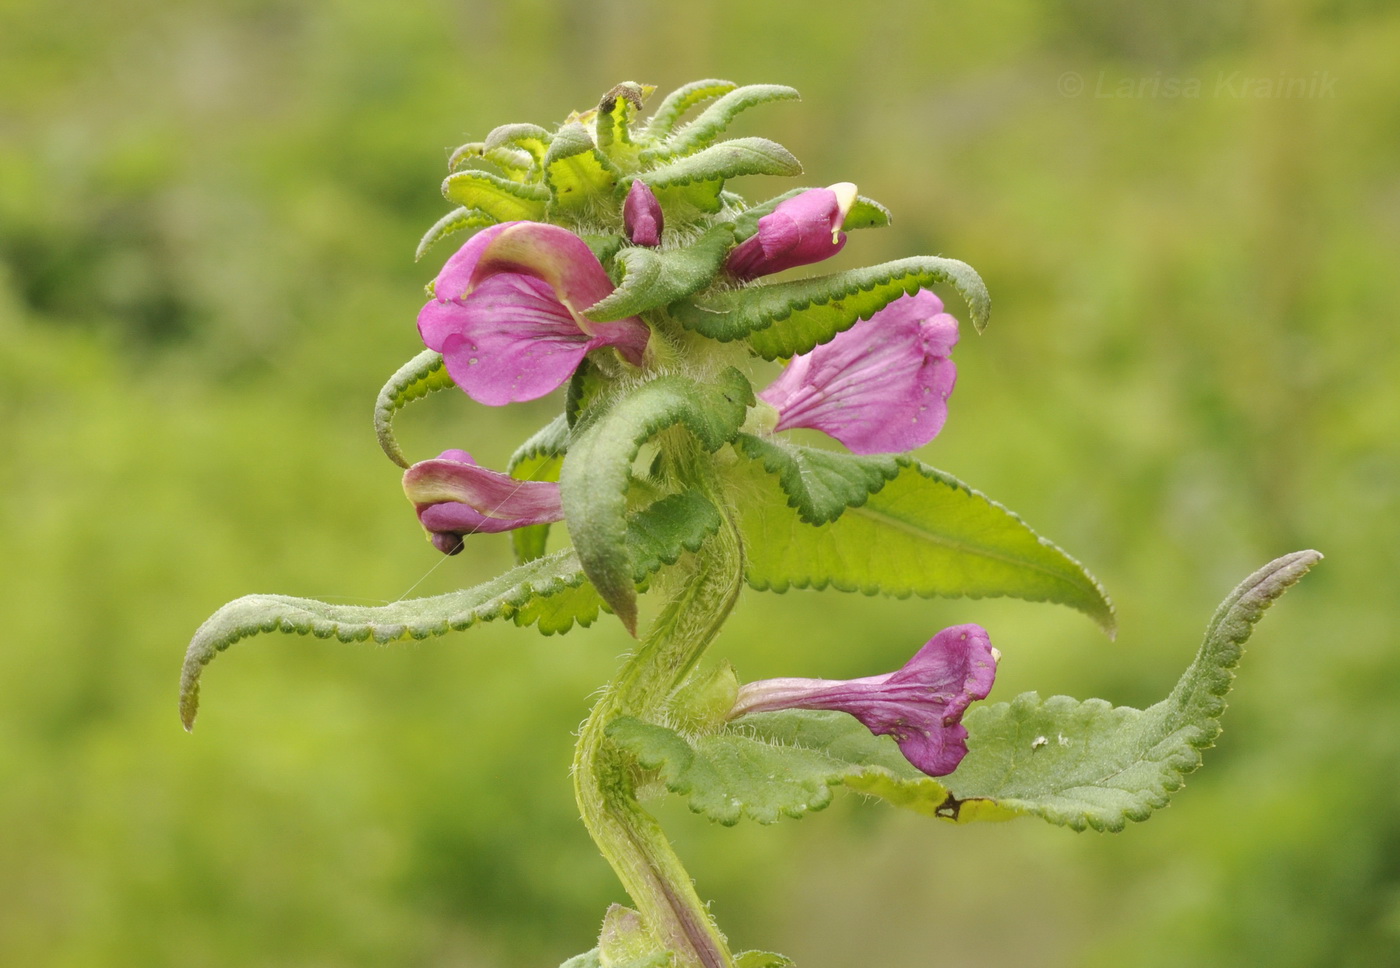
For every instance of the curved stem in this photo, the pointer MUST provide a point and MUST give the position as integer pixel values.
(604, 784)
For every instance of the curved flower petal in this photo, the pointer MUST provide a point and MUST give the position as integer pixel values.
(641, 215)
(802, 230)
(454, 496)
(921, 705)
(507, 313)
(881, 386)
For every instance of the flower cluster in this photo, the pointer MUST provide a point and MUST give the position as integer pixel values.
(507, 315)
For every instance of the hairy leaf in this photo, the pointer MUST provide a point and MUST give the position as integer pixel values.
(922, 533)
(417, 378)
(616, 113)
(550, 592)
(697, 179)
(1090, 764)
(674, 106)
(500, 198)
(788, 318)
(819, 484)
(454, 221)
(715, 118)
(598, 468)
(575, 170)
(1075, 764)
(530, 137)
(657, 277)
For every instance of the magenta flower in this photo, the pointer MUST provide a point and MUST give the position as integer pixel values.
(507, 313)
(454, 496)
(804, 229)
(881, 386)
(921, 705)
(641, 215)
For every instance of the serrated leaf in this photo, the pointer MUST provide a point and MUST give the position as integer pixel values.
(598, 468)
(500, 198)
(1090, 764)
(675, 105)
(529, 137)
(652, 278)
(454, 221)
(728, 776)
(865, 213)
(420, 376)
(788, 318)
(820, 484)
(715, 118)
(575, 170)
(1075, 764)
(538, 459)
(923, 533)
(698, 179)
(550, 592)
(616, 112)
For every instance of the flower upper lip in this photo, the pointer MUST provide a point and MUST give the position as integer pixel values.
(507, 312)
(879, 387)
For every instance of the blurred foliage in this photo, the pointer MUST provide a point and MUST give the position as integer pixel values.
(207, 218)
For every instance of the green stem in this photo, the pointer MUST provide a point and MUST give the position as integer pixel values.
(628, 836)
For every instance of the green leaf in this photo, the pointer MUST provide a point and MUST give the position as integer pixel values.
(698, 179)
(715, 118)
(499, 198)
(866, 213)
(454, 221)
(575, 170)
(820, 484)
(729, 776)
(616, 112)
(530, 137)
(598, 468)
(788, 318)
(674, 106)
(549, 592)
(923, 533)
(1099, 765)
(538, 459)
(417, 378)
(652, 278)
(1075, 764)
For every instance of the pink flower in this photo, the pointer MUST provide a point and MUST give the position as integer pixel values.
(804, 229)
(641, 215)
(921, 705)
(881, 386)
(507, 313)
(454, 496)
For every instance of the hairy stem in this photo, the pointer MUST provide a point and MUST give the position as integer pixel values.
(628, 836)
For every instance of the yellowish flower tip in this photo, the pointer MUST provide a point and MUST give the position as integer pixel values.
(996, 655)
(845, 198)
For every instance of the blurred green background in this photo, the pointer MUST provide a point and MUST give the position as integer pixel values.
(207, 217)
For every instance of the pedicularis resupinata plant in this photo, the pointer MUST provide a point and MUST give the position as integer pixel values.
(608, 259)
